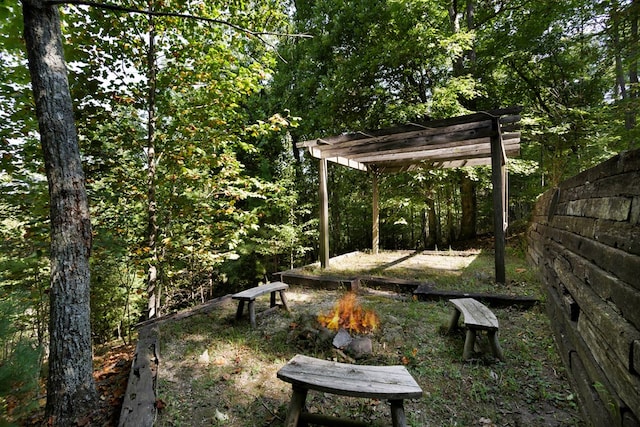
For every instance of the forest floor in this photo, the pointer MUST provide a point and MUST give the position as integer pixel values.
(112, 364)
(215, 370)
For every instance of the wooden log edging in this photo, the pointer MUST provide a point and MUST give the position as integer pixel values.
(322, 282)
(139, 404)
(423, 291)
(584, 241)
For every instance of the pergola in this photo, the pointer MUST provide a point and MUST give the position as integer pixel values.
(483, 138)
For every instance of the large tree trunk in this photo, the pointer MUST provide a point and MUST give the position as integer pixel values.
(70, 387)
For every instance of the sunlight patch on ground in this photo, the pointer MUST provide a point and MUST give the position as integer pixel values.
(389, 261)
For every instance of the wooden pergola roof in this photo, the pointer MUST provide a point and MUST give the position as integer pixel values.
(484, 138)
(449, 143)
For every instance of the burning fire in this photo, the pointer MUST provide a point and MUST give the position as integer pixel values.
(348, 314)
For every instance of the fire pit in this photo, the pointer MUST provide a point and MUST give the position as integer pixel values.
(349, 315)
(348, 318)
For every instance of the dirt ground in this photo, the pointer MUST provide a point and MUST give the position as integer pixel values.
(215, 370)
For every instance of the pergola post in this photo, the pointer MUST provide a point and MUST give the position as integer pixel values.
(375, 232)
(323, 196)
(498, 179)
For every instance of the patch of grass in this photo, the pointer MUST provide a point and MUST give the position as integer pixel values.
(218, 371)
(447, 270)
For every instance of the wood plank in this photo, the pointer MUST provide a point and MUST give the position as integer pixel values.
(511, 113)
(417, 137)
(252, 293)
(453, 150)
(476, 315)
(410, 141)
(620, 334)
(624, 382)
(203, 308)
(378, 382)
(434, 162)
(405, 166)
(608, 287)
(422, 151)
(323, 282)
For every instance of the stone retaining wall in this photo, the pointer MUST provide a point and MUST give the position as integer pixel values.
(584, 239)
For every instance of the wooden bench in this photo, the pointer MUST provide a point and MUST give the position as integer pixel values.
(477, 317)
(393, 383)
(250, 295)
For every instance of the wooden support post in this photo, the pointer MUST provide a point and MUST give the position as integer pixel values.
(469, 343)
(453, 322)
(252, 313)
(283, 299)
(398, 417)
(240, 309)
(272, 299)
(324, 215)
(498, 171)
(296, 405)
(495, 345)
(375, 232)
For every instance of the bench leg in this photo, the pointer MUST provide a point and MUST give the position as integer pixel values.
(283, 298)
(298, 398)
(397, 413)
(495, 345)
(240, 309)
(453, 323)
(252, 313)
(272, 302)
(469, 343)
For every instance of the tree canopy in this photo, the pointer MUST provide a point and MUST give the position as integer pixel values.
(187, 143)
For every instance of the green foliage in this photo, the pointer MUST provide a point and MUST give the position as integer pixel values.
(20, 357)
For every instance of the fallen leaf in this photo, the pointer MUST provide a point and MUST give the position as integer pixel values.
(160, 404)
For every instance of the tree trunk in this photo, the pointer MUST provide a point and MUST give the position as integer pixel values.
(70, 388)
(153, 291)
(432, 221)
(468, 204)
(630, 120)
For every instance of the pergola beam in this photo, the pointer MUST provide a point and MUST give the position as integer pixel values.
(485, 138)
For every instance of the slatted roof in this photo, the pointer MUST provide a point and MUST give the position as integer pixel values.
(449, 143)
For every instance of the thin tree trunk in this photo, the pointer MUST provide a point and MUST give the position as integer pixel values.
(153, 291)
(621, 87)
(630, 119)
(432, 221)
(468, 204)
(70, 387)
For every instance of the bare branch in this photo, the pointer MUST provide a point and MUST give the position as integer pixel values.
(238, 28)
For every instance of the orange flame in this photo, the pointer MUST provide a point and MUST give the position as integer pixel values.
(348, 314)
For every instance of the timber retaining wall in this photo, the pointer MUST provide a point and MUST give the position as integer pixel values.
(584, 239)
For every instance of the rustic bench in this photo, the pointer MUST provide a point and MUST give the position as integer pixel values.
(393, 383)
(250, 295)
(477, 317)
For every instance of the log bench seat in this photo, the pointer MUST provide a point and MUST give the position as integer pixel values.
(392, 383)
(250, 295)
(477, 318)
